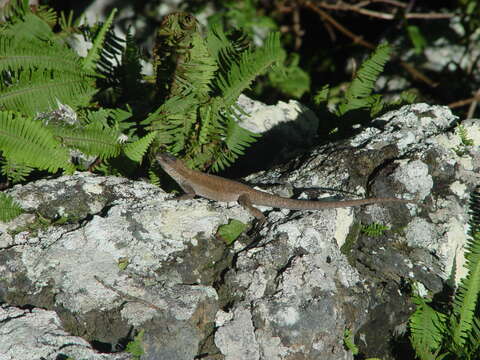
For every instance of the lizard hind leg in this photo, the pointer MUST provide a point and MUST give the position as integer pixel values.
(246, 203)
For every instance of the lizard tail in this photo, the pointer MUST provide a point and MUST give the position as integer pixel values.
(294, 204)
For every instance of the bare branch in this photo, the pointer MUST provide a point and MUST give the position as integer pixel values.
(359, 40)
(380, 15)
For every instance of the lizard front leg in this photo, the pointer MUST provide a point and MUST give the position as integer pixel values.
(246, 203)
(189, 193)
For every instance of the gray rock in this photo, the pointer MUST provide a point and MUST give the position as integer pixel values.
(38, 334)
(111, 257)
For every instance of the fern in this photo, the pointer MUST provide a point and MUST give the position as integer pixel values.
(374, 229)
(14, 171)
(154, 179)
(9, 209)
(199, 119)
(466, 296)
(36, 69)
(31, 54)
(97, 141)
(226, 50)
(29, 26)
(456, 334)
(27, 142)
(427, 328)
(136, 150)
(237, 140)
(183, 62)
(359, 92)
(250, 65)
(37, 91)
(93, 56)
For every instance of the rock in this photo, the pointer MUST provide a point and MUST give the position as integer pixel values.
(38, 334)
(109, 257)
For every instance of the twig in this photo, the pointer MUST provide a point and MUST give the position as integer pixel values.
(359, 40)
(297, 28)
(381, 15)
(463, 102)
(390, 2)
(473, 105)
(126, 296)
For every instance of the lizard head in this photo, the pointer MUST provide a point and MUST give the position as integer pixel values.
(171, 165)
(166, 158)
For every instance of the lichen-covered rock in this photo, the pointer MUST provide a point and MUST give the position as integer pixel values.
(38, 334)
(112, 256)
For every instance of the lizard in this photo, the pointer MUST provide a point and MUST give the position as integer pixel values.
(217, 188)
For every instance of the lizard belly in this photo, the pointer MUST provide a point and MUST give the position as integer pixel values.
(214, 194)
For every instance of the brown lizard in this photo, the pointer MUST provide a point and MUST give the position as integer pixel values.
(220, 189)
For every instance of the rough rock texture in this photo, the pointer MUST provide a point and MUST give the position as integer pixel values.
(38, 334)
(107, 257)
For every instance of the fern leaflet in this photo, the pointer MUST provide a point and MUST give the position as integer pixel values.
(250, 65)
(137, 149)
(9, 209)
(358, 94)
(93, 55)
(26, 141)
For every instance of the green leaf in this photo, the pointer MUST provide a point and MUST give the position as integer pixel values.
(374, 229)
(135, 347)
(322, 95)
(93, 56)
(359, 92)
(231, 231)
(466, 296)
(9, 209)
(137, 149)
(428, 328)
(348, 340)
(250, 65)
(92, 140)
(35, 92)
(290, 78)
(26, 141)
(416, 38)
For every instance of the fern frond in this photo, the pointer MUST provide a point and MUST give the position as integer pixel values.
(14, 171)
(14, 10)
(427, 327)
(31, 27)
(9, 209)
(374, 229)
(36, 70)
(466, 296)
(37, 91)
(29, 54)
(47, 14)
(137, 149)
(473, 344)
(154, 179)
(130, 70)
(474, 211)
(250, 65)
(26, 141)
(198, 69)
(358, 94)
(94, 140)
(237, 140)
(93, 55)
(174, 121)
(226, 51)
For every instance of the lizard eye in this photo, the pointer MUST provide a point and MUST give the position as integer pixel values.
(167, 157)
